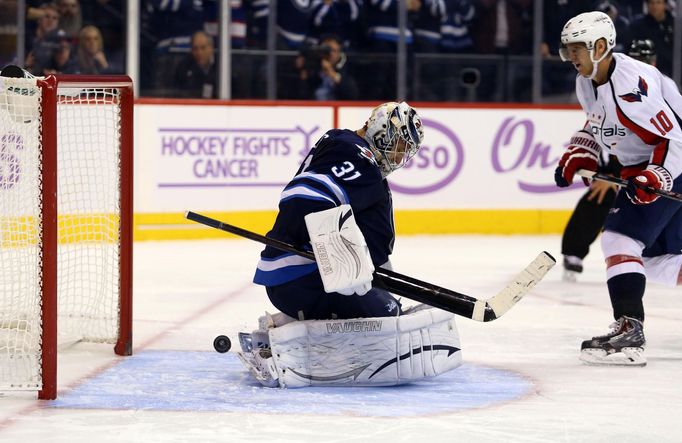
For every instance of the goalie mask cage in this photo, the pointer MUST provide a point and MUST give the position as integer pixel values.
(65, 221)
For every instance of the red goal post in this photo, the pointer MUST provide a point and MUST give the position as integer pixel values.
(71, 137)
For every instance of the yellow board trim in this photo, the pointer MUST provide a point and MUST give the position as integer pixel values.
(21, 231)
(174, 226)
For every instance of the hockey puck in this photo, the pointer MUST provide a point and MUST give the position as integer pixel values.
(222, 344)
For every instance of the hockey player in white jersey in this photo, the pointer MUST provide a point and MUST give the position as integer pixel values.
(633, 112)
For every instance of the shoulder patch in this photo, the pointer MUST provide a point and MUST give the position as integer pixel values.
(367, 153)
(642, 89)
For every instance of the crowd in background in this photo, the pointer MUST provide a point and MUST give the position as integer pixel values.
(331, 49)
(69, 37)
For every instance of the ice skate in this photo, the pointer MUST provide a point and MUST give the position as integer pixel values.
(257, 357)
(623, 346)
(572, 267)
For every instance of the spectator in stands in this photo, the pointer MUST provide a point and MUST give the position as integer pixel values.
(456, 38)
(427, 26)
(196, 76)
(46, 40)
(70, 19)
(657, 25)
(431, 72)
(556, 14)
(383, 37)
(323, 74)
(630, 8)
(293, 17)
(455, 35)
(91, 57)
(558, 78)
(382, 24)
(621, 23)
(237, 26)
(334, 17)
(503, 27)
(63, 60)
(109, 17)
(166, 33)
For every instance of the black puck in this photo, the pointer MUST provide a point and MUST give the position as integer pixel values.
(222, 344)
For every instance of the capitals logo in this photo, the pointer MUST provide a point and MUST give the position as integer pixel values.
(642, 89)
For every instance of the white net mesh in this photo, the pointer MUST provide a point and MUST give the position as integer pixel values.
(88, 122)
(20, 219)
(88, 196)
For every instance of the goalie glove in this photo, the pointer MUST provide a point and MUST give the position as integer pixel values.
(654, 176)
(582, 153)
(340, 250)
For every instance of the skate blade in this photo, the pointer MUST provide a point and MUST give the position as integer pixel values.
(627, 357)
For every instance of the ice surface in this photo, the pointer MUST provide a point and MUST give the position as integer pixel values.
(521, 381)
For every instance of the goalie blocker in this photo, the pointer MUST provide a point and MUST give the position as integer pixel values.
(380, 351)
(340, 250)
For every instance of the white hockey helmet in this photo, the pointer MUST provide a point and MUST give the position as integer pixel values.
(587, 28)
(389, 124)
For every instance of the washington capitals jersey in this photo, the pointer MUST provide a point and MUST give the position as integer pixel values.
(340, 169)
(635, 115)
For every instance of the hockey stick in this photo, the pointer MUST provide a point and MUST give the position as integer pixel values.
(421, 291)
(624, 184)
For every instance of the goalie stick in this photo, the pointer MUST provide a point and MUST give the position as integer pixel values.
(624, 184)
(414, 289)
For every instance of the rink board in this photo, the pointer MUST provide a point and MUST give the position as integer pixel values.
(480, 169)
(210, 382)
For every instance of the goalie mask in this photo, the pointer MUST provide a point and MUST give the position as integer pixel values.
(394, 132)
(588, 28)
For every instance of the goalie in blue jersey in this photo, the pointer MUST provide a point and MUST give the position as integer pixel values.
(334, 328)
(345, 169)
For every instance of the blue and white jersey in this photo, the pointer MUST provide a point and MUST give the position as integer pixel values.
(338, 17)
(427, 25)
(382, 21)
(340, 169)
(293, 17)
(454, 29)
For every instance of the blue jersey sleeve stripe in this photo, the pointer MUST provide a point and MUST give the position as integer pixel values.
(282, 262)
(302, 191)
(337, 190)
(283, 275)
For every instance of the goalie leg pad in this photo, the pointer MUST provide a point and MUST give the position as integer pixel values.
(380, 351)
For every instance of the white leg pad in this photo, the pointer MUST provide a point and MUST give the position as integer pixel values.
(378, 351)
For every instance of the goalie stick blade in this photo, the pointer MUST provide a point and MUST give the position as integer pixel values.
(496, 306)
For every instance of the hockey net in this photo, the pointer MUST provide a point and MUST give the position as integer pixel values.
(65, 221)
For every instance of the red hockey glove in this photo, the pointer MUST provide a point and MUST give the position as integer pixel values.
(654, 176)
(582, 153)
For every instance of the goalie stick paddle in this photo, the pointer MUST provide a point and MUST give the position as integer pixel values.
(624, 184)
(414, 289)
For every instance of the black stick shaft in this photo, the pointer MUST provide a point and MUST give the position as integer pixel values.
(624, 183)
(391, 281)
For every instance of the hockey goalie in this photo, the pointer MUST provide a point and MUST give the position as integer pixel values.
(334, 328)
